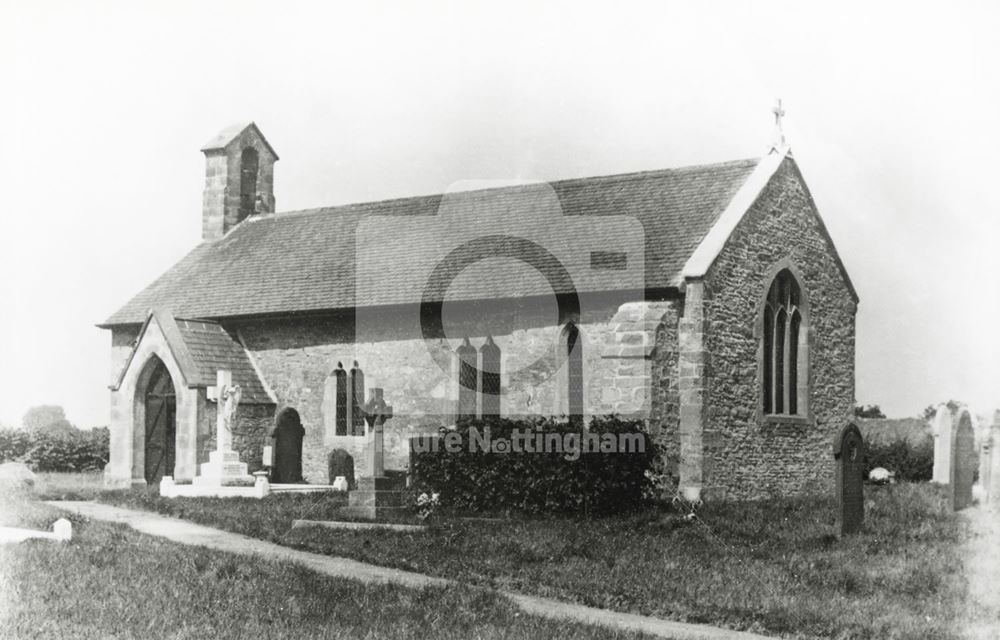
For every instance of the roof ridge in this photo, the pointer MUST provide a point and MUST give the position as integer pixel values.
(617, 177)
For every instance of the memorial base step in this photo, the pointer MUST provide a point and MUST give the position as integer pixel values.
(370, 512)
(361, 498)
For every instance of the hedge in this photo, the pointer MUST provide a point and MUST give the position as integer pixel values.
(910, 462)
(69, 451)
(562, 478)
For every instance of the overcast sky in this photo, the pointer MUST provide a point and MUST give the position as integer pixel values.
(893, 116)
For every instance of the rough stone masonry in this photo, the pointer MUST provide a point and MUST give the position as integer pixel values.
(693, 350)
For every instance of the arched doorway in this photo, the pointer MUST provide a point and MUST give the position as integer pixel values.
(287, 435)
(160, 404)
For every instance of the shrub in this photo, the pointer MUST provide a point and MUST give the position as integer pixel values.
(558, 479)
(56, 450)
(910, 462)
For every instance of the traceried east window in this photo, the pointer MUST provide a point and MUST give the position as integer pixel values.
(784, 332)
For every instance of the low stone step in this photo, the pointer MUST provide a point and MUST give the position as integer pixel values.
(355, 526)
(369, 512)
(375, 498)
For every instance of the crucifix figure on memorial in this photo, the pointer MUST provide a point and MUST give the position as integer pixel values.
(376, 413)
(229, 400)
(224, 467)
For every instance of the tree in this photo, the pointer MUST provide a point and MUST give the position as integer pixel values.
(49, 418)
(42, 416)
(931, 409)
(868, 411)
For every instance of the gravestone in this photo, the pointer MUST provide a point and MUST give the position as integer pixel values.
(985, 460)
(993, 490)
(341, 463)
(849, 453)
(62, 530)
(377, 494)
(963, 462)
(942, 428)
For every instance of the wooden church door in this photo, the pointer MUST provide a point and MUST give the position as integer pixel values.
(161, 425)
(288, 448)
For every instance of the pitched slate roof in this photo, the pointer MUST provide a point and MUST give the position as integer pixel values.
(201, 349)
(305, 261)
(213, 349)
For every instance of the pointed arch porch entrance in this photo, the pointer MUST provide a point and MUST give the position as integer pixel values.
(160, 412)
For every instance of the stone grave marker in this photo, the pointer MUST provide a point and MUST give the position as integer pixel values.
(985, 461)
(993, 489)
(942, 428)
(340, 464)
(963, 462)
(62, 530)
(849, 453)
(377, 494)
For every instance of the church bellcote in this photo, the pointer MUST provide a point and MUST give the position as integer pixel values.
(239, 179)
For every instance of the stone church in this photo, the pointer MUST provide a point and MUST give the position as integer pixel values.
(709, 301)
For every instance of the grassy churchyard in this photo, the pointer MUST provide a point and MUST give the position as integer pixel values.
(112, 582)
(774, 567)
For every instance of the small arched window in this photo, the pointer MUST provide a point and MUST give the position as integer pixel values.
(468, 380)
(248, 183)
(784, 349)
(489, 378)
(574, 373)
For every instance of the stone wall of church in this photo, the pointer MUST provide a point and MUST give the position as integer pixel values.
(251, 432)
(122, 341)
(747, 455)
(295, 357)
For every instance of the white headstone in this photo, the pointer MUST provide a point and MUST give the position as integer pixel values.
(941, 428)
(62, 529)
(261, 486)
(340, 484)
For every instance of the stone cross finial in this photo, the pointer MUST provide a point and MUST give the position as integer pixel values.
(779, 132)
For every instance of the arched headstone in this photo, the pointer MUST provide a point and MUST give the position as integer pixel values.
(993, 490)
(287, 448)
(942, 430)
(963, 461)
(341, 464)
(849, 453)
